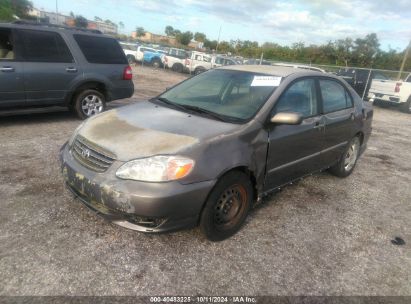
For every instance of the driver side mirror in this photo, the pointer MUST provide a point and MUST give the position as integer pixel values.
(287, 118)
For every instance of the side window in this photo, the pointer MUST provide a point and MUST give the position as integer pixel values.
(409, 79)
(335, 96)
(300, 97)
(42, 46)
(6, 45)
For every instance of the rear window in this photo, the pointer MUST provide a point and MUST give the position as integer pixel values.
(100, 49)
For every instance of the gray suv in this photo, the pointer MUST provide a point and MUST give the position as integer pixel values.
(44, 65)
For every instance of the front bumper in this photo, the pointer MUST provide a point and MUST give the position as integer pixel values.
(142, 206)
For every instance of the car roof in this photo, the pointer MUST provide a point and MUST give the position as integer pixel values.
(52, 28)
(282, 71)
(300, 66)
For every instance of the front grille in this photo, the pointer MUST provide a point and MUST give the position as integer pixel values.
(91, 156)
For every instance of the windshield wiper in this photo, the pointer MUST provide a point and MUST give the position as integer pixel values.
(199, 110)
(170, 103)
(207, 113)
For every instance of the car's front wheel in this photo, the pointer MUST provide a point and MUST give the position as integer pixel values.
(88, 103)
(348, 160)
(131, 59)
(199, 70)
(177, 67)
(156, 63)
(227, 206)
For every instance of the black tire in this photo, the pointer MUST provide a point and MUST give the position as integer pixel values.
(83, 103)
(199, 70)
(227, 206)
(156, 63)
(350, 155)
(131, 59)
(406, 107)
(177, 67)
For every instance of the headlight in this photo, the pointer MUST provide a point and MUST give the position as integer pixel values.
(71, 140)
(156, 168)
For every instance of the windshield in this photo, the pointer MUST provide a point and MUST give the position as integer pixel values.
(234, 94)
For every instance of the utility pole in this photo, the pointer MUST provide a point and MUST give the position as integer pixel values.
(218, 40)
(57, 12)
(407, 50)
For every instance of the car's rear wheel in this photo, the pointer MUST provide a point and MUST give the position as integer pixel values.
(348, 160)
(380, 103)
(406, 107)
(88, 103)
(227, 206)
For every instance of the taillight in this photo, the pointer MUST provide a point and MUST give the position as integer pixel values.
(165, 59)
(398, 87)
(128, 73)
(187, 61)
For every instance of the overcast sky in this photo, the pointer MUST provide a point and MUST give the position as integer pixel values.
(283, 22)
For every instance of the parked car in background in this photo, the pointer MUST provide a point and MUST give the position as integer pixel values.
(130, 49)
(385, 92)
(43, 65)
(198, 62)
(227, 137)
(218, 61)
(141, 50)
(153, 57)
(357, 78)
(175, 59)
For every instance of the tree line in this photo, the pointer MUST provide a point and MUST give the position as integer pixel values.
(359, 52)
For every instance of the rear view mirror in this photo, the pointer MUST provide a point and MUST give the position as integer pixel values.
(287, 118)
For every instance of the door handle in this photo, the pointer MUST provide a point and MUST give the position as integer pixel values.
(71, 70)
(7, 69)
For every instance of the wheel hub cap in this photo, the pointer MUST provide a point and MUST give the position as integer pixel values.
(351, 156)
(91, 105)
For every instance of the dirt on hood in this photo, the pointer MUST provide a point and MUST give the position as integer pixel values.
(128, 140)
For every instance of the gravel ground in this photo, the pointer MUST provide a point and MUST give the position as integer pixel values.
(321, 236)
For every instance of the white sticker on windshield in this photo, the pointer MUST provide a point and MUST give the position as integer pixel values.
(266, 81)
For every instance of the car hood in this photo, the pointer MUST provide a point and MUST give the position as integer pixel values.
(144, 129)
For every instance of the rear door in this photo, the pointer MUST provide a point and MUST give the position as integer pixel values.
(339, 118)
(49, 67)
(295, 150)
(11, 71)
(106, 60)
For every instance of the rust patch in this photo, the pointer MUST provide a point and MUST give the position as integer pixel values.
(128, 141)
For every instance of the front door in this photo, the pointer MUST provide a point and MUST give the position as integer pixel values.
(294, 150)
(11, 71)
(49, 67)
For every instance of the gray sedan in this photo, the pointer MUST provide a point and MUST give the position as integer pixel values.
(203, 152)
